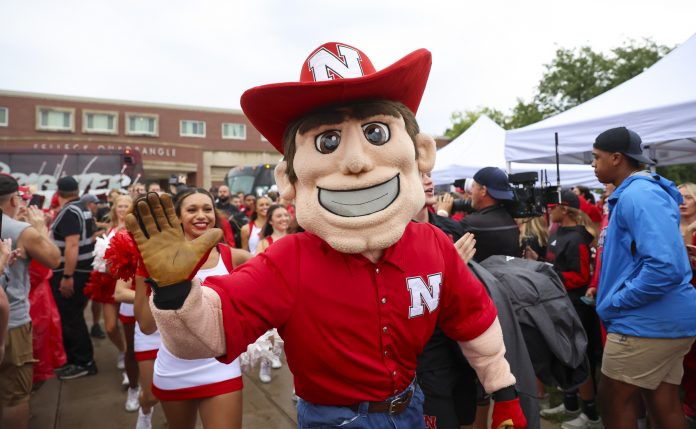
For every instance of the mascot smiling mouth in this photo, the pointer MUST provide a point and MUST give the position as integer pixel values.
(360, 202)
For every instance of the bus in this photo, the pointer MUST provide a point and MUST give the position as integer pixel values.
(96, 172)
(257, 179)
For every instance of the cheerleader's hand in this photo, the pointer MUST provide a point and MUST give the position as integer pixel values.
(169, 258)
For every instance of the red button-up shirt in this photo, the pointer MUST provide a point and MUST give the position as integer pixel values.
(352, 329)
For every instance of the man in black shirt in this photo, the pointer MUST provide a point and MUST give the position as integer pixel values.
(72, 233)
(223, 201)
(493, 227)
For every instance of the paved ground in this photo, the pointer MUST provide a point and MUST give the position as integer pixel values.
(97, 401)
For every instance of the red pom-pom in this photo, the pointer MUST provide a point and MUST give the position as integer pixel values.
(123, 258)
(100, 287)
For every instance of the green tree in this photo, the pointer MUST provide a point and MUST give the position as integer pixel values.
(572, 77)
(678, 173)
(577, 75)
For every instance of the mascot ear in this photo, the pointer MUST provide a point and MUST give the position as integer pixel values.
(285, 188)
(425, 146)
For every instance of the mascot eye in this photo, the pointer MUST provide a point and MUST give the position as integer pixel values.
(376, 133)
(328, 141)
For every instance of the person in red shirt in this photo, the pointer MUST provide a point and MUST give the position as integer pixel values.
(357, 295)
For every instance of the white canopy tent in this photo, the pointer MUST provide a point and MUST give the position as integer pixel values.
(659, 104)
(483, 145)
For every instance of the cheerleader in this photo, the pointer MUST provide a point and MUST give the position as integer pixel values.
(200, 386)
(124, 260)
(102, 284)
(123, 295)
(251, 232)
(276, 227)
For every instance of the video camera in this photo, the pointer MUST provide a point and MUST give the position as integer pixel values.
(531, 200)
(461, 205)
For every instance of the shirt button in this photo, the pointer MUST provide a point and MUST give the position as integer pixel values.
(386, 353)
(396, 391)
(384, 329)
(377, 270)
(394, 373)
(384, 300)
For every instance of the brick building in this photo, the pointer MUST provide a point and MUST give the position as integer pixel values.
(198, 143)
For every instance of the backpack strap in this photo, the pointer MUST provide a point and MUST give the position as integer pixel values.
(226, 256)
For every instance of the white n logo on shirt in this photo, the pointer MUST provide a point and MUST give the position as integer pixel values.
(325, 65)
(422, 293)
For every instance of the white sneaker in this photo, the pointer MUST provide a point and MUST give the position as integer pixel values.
(144, 420)
(582, 422)
(276, 362)
(125, 381)
(558, 411)
(132, 403)
(265, 371)
(121, 361)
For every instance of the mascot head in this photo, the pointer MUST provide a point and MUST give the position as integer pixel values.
(353, 151)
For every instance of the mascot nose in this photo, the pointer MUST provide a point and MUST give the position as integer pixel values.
(356, 160)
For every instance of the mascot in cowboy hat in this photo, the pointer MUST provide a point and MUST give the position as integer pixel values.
(356, 296)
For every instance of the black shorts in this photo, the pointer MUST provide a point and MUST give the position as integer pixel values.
(450, 397)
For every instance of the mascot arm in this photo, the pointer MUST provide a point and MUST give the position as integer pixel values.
(194, 329)
(486, 354)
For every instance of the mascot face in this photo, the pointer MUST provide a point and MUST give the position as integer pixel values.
(358, 181)
(357, 171)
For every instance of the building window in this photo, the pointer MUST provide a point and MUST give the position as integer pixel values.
(55, 119)
(140, 124)
(234, 131)
(99, 122)
(4, 116)
(192, 129)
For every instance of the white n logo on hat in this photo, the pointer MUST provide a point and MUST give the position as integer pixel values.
(325, 65)
(422, 293)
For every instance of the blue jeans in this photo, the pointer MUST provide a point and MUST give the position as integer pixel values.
(315, 416)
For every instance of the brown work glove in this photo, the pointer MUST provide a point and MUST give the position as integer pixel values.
(169, 258)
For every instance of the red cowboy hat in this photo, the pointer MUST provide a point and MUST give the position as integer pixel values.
(334, 73)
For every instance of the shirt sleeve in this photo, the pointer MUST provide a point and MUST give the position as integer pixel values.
(658, 246)
(467, 310)
(257, 296)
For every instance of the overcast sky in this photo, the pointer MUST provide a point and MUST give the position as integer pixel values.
(206, 53)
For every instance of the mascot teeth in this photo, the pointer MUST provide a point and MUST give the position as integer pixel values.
(360, 202)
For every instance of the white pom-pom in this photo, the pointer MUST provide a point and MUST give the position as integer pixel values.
(100, 246)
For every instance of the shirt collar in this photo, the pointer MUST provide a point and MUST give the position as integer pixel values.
(394, 254)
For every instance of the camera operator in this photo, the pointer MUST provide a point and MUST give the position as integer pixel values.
(491, 223)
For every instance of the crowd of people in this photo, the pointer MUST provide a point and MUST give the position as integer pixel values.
(195, 286)
(65, 246)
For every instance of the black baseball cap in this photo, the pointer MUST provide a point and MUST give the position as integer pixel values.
(8, 184)
(624, 141)
(67, 184)
(570, 199)
(496, 182)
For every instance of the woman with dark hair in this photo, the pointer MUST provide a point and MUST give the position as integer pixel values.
(207, 387)
(251, 232)
(276, 227)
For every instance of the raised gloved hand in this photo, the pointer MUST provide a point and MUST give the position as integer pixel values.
(508, 415)
(169, 258)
